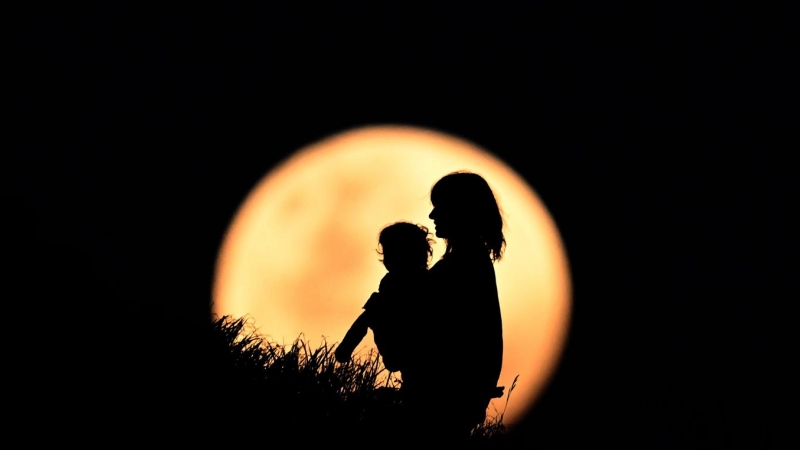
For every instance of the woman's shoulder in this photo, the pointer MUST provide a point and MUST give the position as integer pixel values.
(463, 273)
(463, 259)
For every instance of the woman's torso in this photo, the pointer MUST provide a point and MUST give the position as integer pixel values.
(461, 336)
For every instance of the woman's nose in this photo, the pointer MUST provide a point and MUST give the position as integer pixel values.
(430, 216)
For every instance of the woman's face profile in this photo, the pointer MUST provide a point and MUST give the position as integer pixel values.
(437, 226)
(442, 222)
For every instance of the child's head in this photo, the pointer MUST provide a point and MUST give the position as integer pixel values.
(405, 245)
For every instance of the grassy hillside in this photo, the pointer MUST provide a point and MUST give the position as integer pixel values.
(301, 390)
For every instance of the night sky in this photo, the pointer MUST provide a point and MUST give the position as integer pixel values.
(655, 135)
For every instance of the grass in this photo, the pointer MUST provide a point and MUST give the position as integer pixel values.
(302, 390)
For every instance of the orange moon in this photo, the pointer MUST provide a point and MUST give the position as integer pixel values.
(300, 255)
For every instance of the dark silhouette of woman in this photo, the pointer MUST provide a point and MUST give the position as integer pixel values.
(453, 374)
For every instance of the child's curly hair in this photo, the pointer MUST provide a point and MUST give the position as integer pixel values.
(410, 244)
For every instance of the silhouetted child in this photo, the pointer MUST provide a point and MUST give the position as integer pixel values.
(406, 249)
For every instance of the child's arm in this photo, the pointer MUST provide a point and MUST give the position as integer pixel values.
(352, 338)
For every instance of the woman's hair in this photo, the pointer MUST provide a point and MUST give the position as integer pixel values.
(410, 244)
(470, 197)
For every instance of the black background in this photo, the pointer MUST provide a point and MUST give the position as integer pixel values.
(655, 134)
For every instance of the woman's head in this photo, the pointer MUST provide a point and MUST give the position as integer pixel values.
(405, 245)
(465, 209)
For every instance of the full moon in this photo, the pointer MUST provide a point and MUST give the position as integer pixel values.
(299, 258)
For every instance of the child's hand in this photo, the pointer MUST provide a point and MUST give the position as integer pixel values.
(391, 365)
(342, 355)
